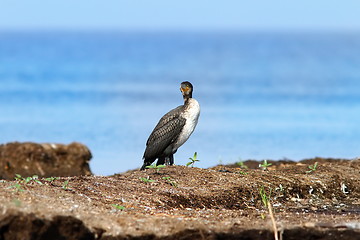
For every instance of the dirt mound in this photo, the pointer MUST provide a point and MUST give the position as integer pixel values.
(15, 225)
(44, 160)
(178, 202)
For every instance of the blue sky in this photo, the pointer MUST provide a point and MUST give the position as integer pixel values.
(181, 15)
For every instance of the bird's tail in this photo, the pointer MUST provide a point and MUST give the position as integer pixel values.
(147, 162)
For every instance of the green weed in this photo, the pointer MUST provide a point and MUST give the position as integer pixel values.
(193, 160)
(265, 198)
(65, 185)
(21, 181)
(264, 165)
(280, 188)
(26, 180)
(241, 165)
(169, 180)
(18, 187)
(51, 179)
(147, 180)
(156, 167)
(312, 168)
(118, 207)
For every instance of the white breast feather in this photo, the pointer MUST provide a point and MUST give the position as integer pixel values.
(191, 114)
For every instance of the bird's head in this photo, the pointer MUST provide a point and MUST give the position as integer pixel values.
(186, 89)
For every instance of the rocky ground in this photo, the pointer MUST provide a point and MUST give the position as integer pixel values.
(179, 202)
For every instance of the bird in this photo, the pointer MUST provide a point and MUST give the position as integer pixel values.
(172, 130)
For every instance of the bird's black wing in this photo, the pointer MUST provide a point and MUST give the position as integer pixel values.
(165, 133)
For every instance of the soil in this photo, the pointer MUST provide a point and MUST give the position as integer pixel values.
(179, 202)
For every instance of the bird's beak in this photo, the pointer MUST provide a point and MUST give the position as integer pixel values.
(185, 89)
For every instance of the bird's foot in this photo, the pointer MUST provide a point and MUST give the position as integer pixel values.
(167, 162)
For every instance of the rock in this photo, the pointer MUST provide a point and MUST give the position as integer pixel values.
(44, 160)
(29, 226)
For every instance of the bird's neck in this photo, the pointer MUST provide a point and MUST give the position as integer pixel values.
(187, 97)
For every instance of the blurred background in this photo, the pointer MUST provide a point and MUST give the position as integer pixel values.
(275, 79)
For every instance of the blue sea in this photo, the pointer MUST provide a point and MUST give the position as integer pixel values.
(262, 95)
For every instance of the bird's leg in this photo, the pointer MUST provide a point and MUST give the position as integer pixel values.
(161, 161)
(171, 159)
(167, 161)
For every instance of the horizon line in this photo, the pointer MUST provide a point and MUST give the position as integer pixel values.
(184, 30)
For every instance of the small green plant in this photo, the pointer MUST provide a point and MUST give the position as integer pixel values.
(264, 165)
(118, 207)
(264, 196)
(21, 181)
(243, 173)
(280, 188)
(241, 165)
(312, 168)
(65, 185)
(18, 187)
(156, 167)
(34, 178)
(18, 177)
(169, 180)
(51, 179)
(147, 180)
(193, 160)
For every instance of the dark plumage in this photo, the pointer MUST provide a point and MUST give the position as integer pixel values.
(173, 129)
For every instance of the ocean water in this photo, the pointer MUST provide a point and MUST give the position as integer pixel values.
(262, 95)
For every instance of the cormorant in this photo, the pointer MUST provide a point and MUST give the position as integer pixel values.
(173, 129)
